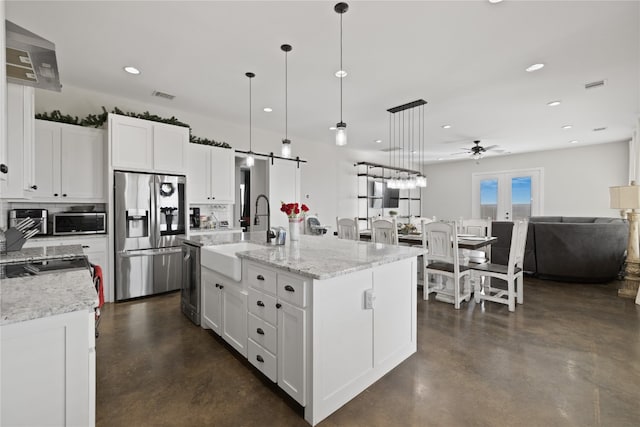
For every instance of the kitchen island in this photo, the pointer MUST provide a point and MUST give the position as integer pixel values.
(47, 337)
(325, 317)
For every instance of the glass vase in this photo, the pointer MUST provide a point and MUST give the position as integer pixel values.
(294, 229)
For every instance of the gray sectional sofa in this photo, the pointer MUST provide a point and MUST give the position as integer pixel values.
(570, 249)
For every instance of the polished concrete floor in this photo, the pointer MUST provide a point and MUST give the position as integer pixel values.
(570, 356)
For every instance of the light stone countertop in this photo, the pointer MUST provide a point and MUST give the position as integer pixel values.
(42, 253)
(33, 297)
(319, 257)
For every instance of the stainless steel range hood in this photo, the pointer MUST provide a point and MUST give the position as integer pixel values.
(31, 60)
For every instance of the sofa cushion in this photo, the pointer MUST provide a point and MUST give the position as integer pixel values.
(545, 219)
(578, 219)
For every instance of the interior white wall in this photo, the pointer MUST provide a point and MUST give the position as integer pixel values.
(576, 180)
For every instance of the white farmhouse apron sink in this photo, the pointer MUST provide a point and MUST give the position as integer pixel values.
(223, 259)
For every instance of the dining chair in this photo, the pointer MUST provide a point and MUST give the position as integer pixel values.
(418, 222)
(477, 227)
(384, 231)
(442, 259)
(512, 273)
(348, 228)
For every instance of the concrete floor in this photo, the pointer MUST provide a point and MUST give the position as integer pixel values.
(570, 356)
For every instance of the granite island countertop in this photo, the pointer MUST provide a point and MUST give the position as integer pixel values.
(318, 257)
(34, 297)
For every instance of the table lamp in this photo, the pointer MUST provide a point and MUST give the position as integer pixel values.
(623, 198)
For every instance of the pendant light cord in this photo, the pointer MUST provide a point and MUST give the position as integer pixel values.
(341, 69)
(286, 97)
(249, 114)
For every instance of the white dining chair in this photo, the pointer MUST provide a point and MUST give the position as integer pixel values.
(418, 221)
(384, 231)
(512, 273)
(442, 259)
(348, 228)
(481, 228)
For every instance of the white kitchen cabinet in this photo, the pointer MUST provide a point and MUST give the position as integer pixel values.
(211, 174)
(143, 145)
(19, 180)
(224, 309)
(69, 163)
(276, 313)
(48, 371)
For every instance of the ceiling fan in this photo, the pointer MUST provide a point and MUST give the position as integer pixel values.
(477, 151)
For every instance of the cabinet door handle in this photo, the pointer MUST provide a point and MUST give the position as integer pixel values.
(85, 246)
(259, 359)
(55, 194)
(221, 286)
(260, 277)
(4, 168)
(260, 331)
(217, 286)
(289, 288)
(260, 304)
(64, 195)
(278, 305)
(34, 187)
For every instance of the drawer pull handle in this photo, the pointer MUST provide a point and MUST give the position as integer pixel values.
(217, 286)
(260, 331)
(289, 288)
(221, 286)
(260, 277)
(86, 246)
(259, 359)
(260, 304)
(278, 305)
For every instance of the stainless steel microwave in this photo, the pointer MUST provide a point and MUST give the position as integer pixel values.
(66, 223)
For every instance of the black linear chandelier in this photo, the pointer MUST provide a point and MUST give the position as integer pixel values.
(406, 145)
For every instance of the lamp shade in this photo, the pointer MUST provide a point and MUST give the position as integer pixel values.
(625, 197)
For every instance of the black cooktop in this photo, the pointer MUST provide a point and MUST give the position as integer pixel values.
(35, 268)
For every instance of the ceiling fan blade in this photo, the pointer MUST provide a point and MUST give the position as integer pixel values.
(466, 153)
(491, 147)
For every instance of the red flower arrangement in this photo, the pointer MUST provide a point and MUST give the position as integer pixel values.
(293, 210)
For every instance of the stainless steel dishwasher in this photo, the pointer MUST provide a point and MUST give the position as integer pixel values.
(190, 289)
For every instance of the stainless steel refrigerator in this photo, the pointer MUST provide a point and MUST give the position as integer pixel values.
(150, 216)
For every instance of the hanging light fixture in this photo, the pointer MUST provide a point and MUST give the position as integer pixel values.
(250, 159)
(341, 127)
(286, 142)
(406, 138)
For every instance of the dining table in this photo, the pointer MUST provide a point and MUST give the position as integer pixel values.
(465, 241)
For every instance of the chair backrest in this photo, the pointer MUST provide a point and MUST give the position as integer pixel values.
(518, 242)
(348, 228)
(384, 231)
(477, 227)
(441, 241)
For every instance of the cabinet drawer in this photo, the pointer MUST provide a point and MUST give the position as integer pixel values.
(263, 306)
(292, 289)
(263, 360)
(261, 278)
(263, 333)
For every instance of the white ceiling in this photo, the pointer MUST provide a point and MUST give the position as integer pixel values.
(467, 59)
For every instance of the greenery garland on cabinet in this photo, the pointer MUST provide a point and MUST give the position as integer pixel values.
(98, 120)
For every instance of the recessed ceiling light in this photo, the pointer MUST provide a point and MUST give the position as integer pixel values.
(567, 127)
(378, 141)
(534, 67)
(446, 126)
(575, 141)
(332, 128)
(132, 70)
(267, 109)
(553, 103)
(341, 73)
(440, 158)
(495, 1)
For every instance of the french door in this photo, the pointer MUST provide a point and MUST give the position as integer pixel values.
(507, 196)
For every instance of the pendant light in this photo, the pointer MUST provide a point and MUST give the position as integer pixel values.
(250, 159)
(341, 127)
(286, 142)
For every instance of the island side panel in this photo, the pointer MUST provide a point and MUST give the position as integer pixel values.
(344, 332)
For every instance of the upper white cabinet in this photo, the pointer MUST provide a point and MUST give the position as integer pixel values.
(19, 179)
(143, 145)
(211, 177)
(69, 163)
